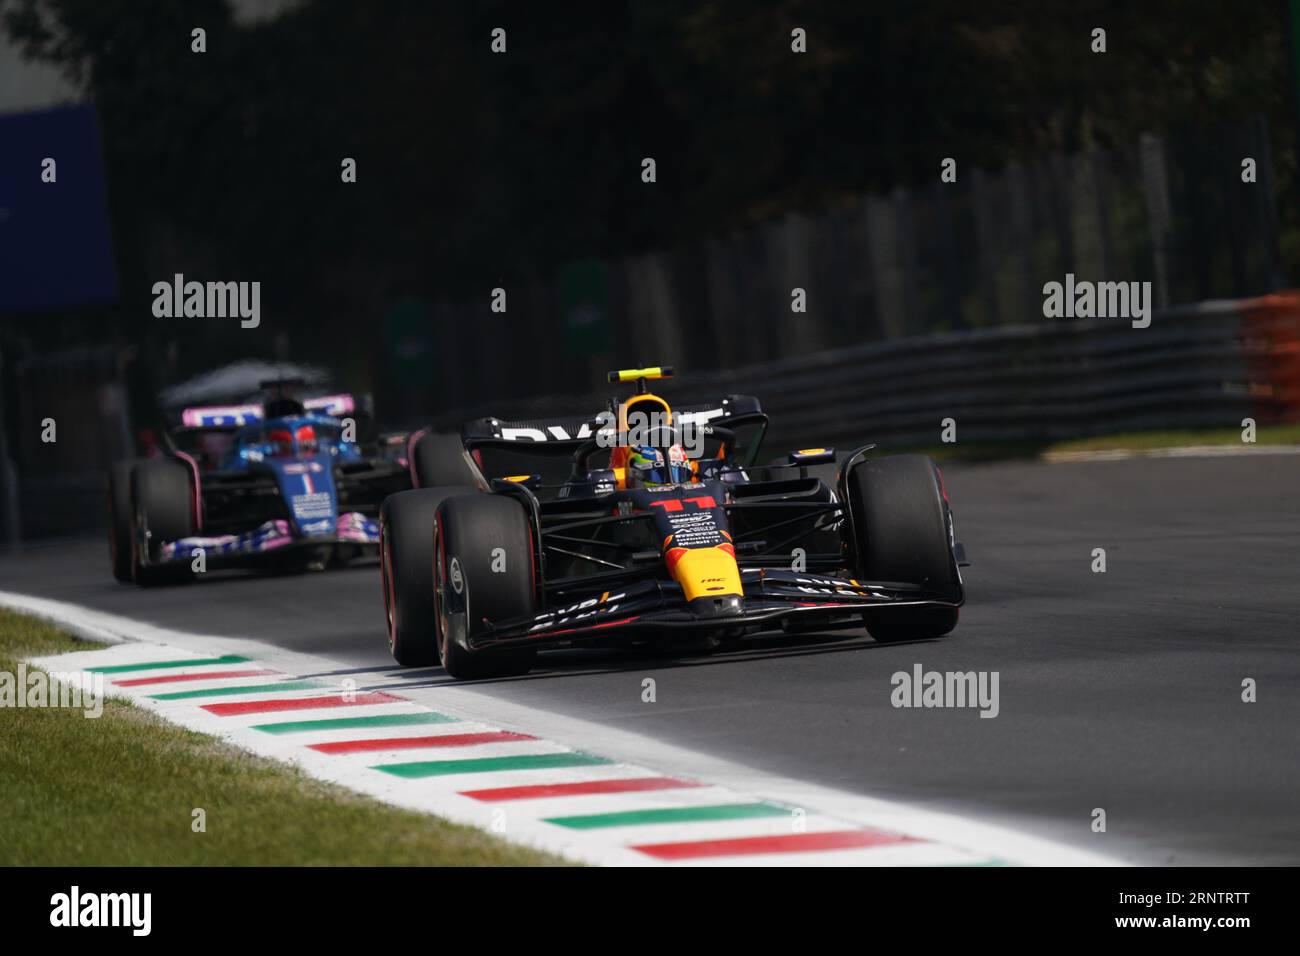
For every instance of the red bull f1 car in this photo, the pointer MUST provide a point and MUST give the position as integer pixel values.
(285, 481)
(647, 523)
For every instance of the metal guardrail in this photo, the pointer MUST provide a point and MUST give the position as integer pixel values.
(1207, 365)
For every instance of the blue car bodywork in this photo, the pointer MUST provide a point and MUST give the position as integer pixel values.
(298, 483)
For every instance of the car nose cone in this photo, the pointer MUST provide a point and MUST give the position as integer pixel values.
(711, 606)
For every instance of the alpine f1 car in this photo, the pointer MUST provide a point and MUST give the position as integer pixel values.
(284, 481)
(565, 532)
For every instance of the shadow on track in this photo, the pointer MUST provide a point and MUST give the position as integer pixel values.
(593, 662)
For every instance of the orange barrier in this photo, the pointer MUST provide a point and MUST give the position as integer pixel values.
(1271, 325)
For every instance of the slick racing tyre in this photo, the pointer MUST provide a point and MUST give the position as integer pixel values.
(162, 509)
(903, 527)
(438, 461)
(406, 572)
(119, 519)
(483, 569)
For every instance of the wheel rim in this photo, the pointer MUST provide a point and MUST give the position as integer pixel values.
(439, 567)
(386, 578)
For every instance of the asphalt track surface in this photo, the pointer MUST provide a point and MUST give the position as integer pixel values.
(1119, 690)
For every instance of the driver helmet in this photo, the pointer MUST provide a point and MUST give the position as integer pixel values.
(649, 466)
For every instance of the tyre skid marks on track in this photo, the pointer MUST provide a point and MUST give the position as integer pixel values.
(663, 817)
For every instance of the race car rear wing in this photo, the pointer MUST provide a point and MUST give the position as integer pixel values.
(234, 416)
(729, 412)
(496, 447)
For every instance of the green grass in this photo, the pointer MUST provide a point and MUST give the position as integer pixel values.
(975, 452)
(120, 790)
(1141, 441)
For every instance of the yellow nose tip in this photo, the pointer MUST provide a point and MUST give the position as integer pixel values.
(705, 572)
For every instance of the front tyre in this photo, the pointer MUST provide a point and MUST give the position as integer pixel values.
(162, 499)
(119, 520)
(903, 529)
(406, 522)
(483, 570)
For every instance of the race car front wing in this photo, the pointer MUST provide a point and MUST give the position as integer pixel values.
(770, 596)
(276, 535)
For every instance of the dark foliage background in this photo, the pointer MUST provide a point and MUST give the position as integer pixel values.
(478, 170)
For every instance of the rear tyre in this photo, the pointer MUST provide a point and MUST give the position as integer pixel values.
(406, 571)
(119, 520)
(162, 499)
(904, 534)
(438, 461)
(483, 569)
